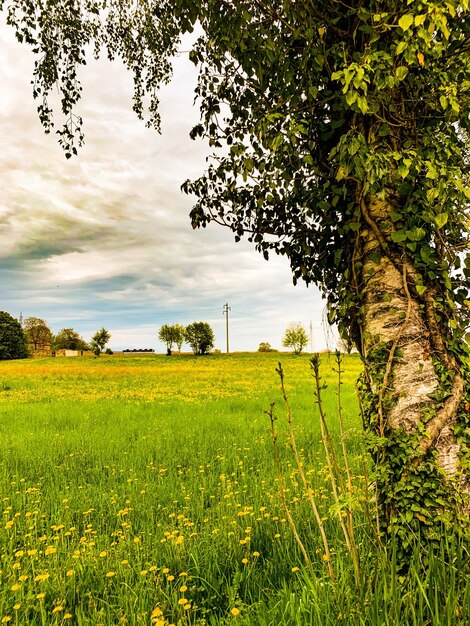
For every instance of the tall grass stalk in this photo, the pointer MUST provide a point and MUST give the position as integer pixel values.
(308, 490)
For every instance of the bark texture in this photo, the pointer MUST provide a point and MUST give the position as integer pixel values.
(402, 343)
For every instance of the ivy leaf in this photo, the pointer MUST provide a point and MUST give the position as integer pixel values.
(441, 219)
(398, 236)
(401, 46)
(351, 97)
(415, 233)
(406, 21)
(401, 72)
(362, 104)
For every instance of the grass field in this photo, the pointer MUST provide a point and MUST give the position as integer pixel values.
(142, 490)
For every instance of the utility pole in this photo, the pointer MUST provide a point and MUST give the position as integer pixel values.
(225, 311)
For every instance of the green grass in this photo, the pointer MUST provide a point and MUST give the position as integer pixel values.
(126, 479)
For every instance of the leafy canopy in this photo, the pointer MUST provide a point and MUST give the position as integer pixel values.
(200, 336)
(12, 338)
(69, 339)
(311, 107)
(37, 332)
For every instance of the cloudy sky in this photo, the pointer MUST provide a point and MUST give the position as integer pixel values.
(104, 239)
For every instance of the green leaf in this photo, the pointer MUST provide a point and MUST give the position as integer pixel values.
(278, 139)
(420, 289)
(398, 236)
(443, 101)
(403, 171)
(415, 233)
(401, 46)
(351, 97)
(362, 104)
(441, 219)
(401, 72)
(406, 21)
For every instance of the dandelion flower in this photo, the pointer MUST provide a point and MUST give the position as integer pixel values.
(256, 554)
(40, 596)
(15, 587)
(6, 619)
(70, 572)
(187, 606)
(57, 609)
(295, 569)
(17, 606)
(68, 616)
(50, 550)
(157, 612)
(235, 611)
(245, 561)
(110, 574)
(183, 588)
(103, 553)
(182, 601)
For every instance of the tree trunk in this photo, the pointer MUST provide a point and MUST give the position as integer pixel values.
(414, 393)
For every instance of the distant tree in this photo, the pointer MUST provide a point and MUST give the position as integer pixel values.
(295, 337)
(99, 341)
(108, 351)
(179, 332)
(37, 332)
(168, 336)
(69, 339)
(200, 336)
(13, 343)
(265, 346)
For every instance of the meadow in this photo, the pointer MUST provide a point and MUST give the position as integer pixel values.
(143, 490)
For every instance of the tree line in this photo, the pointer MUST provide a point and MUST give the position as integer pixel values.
(17, 340)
